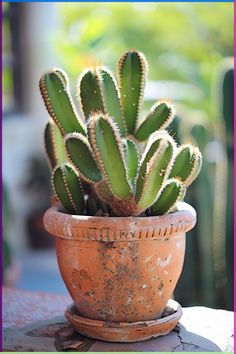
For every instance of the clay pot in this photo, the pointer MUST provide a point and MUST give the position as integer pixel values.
(120, 268)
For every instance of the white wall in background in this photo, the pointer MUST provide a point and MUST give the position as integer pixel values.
(23, 134)
(40, 26)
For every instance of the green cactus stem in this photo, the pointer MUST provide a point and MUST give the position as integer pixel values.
(98, 92)
(89, 92)
(151, 148)
(132, 159)
(54, 145)
(187, 164)
(160, 117)
(49, 145)
(111, 99)
(172, 192)
(227, 103)
(108, 149)
(57, 99)
(81, 156)
(67, 187)
(119, 207)
(63, 76)
(132, 69)
(156, 169)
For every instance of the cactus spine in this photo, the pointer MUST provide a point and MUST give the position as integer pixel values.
(105, 151)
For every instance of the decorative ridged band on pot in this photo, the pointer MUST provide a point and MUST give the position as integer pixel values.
(120, 269)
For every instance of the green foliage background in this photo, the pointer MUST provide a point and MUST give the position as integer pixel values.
(183, 42)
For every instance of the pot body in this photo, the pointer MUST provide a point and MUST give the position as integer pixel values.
(120, 269)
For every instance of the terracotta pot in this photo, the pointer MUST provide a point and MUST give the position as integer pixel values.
(120, 269)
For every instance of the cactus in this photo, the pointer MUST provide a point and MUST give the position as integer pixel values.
(54, 144)
(187, 165)
(132, 69)
(127, 167)
(131, 153)
(228, 116)
(67, 187)
(80, 155)
(171, 192)
(109, 153)
(98, 92)
(160, 117)
(223, 212)
(154, 170)
(54, 89)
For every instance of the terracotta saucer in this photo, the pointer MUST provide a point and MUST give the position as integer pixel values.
(124, 331)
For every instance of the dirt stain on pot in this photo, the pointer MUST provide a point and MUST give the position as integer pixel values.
(109, 244)
(79, 277)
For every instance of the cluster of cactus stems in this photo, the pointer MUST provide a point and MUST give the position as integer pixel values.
(111, 159)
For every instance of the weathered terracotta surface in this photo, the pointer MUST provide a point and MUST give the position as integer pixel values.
(120, 269)
(124, 331)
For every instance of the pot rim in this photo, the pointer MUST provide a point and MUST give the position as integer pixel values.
(125, 228)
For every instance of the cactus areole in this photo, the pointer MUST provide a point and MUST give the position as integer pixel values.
(114, 169)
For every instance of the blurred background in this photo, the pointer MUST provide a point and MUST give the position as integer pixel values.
(189, 47)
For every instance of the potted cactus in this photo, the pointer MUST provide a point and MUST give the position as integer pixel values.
(119, 219)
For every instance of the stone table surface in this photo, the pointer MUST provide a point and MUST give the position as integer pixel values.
(35, 322)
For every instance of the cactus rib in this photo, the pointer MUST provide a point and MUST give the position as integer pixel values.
(171, 192)
(50, 145)
(111, 98)
(151, 147)
(157, 170)
(54, 144)
(131, 153)
(68, 189)
(59, 103)
(160, 117)
(89, 93)
(108, 149)
(63, 76)
(132, 69)
(187, 164)
(81, 156)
